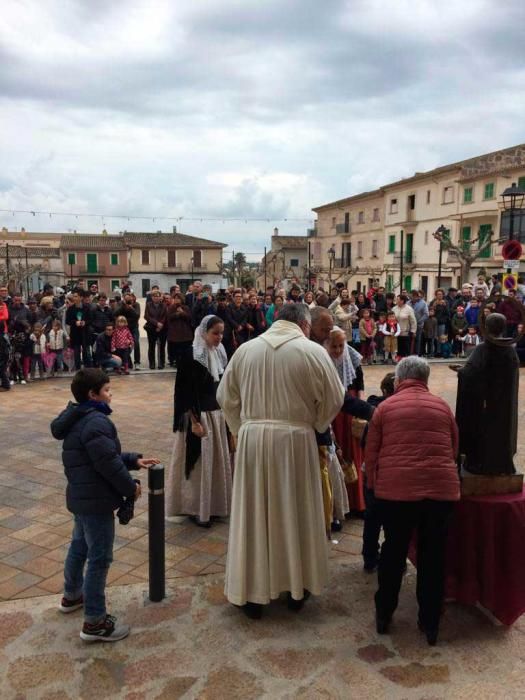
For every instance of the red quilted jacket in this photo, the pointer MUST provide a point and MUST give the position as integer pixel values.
(412, 446)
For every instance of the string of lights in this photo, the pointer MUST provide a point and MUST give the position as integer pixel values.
(153, 219)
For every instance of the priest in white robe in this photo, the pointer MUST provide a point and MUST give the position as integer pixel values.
(278, 389)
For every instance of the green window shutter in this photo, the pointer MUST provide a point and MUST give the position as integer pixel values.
(71, 259)
(484, 233)
(409, 248)
(91, 260)
(489, 190)
(465, 237)
(114, 258)
(521, 183)
(408, 283)
(389, 283)
(392, 244)
(467, 195)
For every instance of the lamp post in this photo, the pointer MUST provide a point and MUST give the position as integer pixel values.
(331, 258)
(511, 199)
(441, 232)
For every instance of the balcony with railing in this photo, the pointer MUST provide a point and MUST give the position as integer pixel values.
(409, 258)
(168, 267)
(343, 229)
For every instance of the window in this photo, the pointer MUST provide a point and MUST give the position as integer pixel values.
(467, 195)
(448, 194)
(71, 258)
(390, 283)
(375, 216)
(465, 238)
(374, 249)
(115, 284)
(333, 221)
(408, 283)
(392, 243)
(521, 183)
(428, 196)
(409, 252)
(412, 201)
(92, 262)
(484, 234)
(424, 284)
(114, 258)
(361, 217)
(360, 249)
(393, 206)
(172, 258)
(346, 255)
(197, 258)
(347, 222)
(145, 257)
(426, 237)
(489, 191)
(294, 262)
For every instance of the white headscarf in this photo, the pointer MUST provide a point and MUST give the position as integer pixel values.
(347, 364)
(214, 359)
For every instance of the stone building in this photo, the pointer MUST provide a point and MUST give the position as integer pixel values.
(285, 263)
(463, 197)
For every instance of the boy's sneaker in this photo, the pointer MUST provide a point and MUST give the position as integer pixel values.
(106, 631)
(67, 606)
(23, 381)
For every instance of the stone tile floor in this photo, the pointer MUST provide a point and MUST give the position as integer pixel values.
(206, 649)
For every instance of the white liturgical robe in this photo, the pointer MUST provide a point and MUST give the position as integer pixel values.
(276, 390)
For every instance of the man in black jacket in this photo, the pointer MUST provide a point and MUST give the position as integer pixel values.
(98, 480)
(78, 318)
(101, 314)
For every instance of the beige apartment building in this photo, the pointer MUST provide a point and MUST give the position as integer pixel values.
(172, 258)
(464, 197)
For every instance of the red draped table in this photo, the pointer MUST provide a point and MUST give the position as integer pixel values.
(486, 554)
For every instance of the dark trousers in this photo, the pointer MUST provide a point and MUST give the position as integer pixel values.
(179, 352)
(403, 345)
(124, 354)
(155, 338)
(136, 348)
(4, 379)
(371, 530)
(82, 349)
(400, 519)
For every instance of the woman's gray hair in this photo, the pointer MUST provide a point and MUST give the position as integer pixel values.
(413, 367)
(294, 313)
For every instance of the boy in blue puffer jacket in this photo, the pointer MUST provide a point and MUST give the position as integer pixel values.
(98, 480)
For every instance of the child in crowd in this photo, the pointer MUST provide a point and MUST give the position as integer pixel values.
(446, 346)
(38, 340)
(5, 349)
(472, 312)
(458, 326)
(390, 331)
(380, 338)
(430, 334)
(470, 340)
(56, 344)
(367, 332)
(372, 524)
(122, 343)
(98, 481)
(21, 352)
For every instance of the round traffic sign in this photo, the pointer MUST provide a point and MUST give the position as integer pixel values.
(512, 250)
(510, 282)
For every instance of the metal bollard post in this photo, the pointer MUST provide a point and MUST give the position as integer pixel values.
(157, 571)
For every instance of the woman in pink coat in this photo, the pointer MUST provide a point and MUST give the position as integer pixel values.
(411, 465)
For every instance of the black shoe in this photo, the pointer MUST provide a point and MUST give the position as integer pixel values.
(431, 634)
(161, 366)
(382, 624)
(252, 610)
(297, 605)
(336, 526)
(200, 523)
(152, 366)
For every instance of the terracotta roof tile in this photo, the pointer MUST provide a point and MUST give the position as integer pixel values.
(82, 241)
(163, 240)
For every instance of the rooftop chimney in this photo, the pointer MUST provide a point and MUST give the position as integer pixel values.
(174, 229)
(276, 231)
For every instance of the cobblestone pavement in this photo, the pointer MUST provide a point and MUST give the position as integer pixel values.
(194, 644)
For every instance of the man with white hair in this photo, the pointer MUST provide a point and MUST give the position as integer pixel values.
(277, 390)
(411, 465)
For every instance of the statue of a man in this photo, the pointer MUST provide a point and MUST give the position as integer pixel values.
(487, 403)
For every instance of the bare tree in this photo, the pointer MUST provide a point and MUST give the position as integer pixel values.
(467, 252)
(16, 277)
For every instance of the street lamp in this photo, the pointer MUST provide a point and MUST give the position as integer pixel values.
(192, 263)
(440, 232)
(331, 258)
(511, 199)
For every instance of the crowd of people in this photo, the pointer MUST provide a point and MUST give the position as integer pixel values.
(55, 332)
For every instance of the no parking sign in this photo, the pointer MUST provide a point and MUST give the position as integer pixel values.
(510, 281)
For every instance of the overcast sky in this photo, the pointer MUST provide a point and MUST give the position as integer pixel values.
(244, 108)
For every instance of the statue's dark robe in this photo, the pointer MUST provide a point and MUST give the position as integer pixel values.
(487, 409)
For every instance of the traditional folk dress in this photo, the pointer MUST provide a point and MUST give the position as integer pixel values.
(349, 370)
(199, 479)
(276, 390)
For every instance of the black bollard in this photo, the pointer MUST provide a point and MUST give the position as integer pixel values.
(157, 571)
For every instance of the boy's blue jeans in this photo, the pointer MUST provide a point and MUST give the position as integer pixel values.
(92, 539)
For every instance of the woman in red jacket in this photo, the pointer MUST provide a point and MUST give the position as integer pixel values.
(411, 465)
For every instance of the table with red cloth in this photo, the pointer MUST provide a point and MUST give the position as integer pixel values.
(485, 560)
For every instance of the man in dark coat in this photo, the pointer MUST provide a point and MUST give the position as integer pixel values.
(487, 403)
